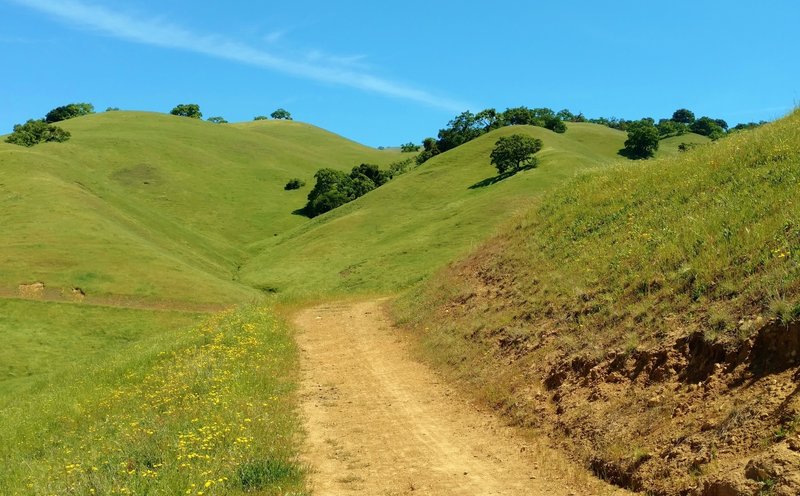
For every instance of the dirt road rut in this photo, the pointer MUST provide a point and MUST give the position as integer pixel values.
(380, 423)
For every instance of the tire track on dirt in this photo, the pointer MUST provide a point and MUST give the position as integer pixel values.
(380, 423)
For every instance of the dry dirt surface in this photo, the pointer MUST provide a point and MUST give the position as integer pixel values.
(378, 422)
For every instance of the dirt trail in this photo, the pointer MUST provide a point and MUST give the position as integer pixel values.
(381, 423)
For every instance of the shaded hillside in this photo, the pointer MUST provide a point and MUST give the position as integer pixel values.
(647, 314)
(401, 232)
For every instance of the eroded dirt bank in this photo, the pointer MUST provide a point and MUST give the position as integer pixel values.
(380, 423)
(686, 415)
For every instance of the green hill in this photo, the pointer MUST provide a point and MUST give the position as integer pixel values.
(136, 227)
(647, 312)
(157, 206)
(142, 224)
(401, 232)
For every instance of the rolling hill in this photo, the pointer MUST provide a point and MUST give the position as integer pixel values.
(156, 207)
(646, 314)
(120, 243)
(401, 232)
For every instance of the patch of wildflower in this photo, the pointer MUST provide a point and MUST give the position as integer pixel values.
(187, 421)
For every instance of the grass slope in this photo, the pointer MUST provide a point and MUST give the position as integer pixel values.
(153, 212)
(170, 214)
(603, 308)
(199, 410)
(181, 196)
(401, 232)
(46, 341)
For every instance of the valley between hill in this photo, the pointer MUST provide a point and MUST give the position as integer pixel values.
(641, 316)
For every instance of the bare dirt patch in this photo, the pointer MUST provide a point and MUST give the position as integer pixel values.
(380, 423)
(34, 290)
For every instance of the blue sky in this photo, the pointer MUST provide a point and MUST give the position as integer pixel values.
(384, 73)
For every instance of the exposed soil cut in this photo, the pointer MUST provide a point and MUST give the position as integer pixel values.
(689, 415)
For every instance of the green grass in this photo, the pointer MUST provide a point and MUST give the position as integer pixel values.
(43, 341)
(156, 213)
(668, 147)
(707, 239)
(201, 410)
(175, 216)
(157, 206)
(400, 233)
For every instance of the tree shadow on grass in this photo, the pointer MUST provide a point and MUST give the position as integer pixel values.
(302, 212)
(631, 155)
(496, 179)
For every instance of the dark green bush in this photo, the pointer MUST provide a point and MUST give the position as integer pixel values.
(409, 147)
(295, 183)
(69, 111)
(334, 188)
(36, 131)
(191, 110)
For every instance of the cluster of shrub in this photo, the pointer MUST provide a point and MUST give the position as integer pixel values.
(42, 130)
(334, 188)
(192, 111)
(468, 126)
(644, 134)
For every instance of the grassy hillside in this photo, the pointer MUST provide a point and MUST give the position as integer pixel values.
(182, 197)
(401, 232)
(205, 409)
(669, 147)
(46, 341)
(143, 223)
(149, 215)
(648, 311)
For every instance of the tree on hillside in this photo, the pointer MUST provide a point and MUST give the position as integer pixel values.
(555, 124)
(684, 116)
(464, 127)
(373, 173)
(487, 119)
(642, 140)
(707, 126)
(668, 127)
(281, 114)
(68, 112)
(260, 118)
(430, 149)
(743, 126)
(512, 153)
(191, 110)
(566, 115)
(334, 188)
(517, 116)
(409, 147)
(36, 131)
(217, 120)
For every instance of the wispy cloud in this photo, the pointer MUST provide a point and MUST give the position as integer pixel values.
(274, 36)
(158, 32)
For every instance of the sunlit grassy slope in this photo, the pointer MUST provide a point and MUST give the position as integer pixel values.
(156, 206)
(705, 241)
(172, 217)
(45, 341)
(195, 410)
(396, 235)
